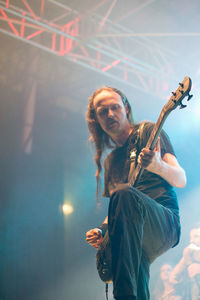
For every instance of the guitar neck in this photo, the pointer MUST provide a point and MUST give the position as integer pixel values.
(157, 129)
(175, 100)
(150, 145)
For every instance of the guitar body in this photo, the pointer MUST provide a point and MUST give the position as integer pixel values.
(104, 260)
(103, 256)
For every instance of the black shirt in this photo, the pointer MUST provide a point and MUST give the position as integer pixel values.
(117, 165)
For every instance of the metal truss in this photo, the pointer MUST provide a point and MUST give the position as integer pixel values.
(90, 39)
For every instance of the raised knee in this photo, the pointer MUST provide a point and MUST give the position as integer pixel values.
(127, 200)
(124, 194)
(123, 189)
(120, 189)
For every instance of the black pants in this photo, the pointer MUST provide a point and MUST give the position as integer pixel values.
(140, 230)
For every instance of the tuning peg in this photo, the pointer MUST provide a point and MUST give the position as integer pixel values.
(174, 94)
(181, 84)
(189, 97)
(182, 92)
(182, 105)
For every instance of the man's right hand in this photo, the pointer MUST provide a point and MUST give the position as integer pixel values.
(94, 237)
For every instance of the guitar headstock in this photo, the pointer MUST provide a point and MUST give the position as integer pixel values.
(181, 92)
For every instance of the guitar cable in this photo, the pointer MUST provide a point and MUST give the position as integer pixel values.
(106, 290)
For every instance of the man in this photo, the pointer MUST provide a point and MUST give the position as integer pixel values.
(186, 273)
(143, 221)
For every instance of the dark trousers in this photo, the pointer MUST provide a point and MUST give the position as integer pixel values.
(140, 230)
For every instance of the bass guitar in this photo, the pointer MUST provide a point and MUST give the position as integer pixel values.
(103, 256)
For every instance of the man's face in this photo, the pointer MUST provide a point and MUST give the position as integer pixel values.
(111, 112)
(195, 236)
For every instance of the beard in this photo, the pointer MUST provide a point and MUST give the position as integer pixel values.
(111, 123)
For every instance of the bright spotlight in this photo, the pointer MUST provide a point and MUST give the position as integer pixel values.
(67, 209)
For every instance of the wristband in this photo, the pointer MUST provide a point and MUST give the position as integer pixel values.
(103, 227)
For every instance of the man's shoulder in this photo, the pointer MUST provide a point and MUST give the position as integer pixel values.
(147, 124)
(144, 129)
(144, 125)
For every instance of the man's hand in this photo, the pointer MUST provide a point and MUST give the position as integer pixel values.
(94, 237)
(150, 159)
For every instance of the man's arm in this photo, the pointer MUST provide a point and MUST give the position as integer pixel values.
(167, 167)
(172, 172)
(105, 221)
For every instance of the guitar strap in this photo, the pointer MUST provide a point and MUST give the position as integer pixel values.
(134, 151)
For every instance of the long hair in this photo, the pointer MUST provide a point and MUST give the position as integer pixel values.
(97, 135)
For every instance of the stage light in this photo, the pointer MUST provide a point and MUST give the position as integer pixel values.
(67, 209)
